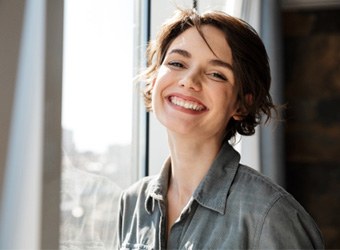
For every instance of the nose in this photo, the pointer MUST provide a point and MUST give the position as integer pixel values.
(191, 80)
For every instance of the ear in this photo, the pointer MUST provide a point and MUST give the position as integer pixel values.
(239, 114)
(150, 86)
(153, 82)
(241, 111)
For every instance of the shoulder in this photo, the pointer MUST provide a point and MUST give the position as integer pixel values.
(253, 177)
(138, 189)
(288, 225)
(267, 196)
(282, 221)
(253, 186)
(133, 200)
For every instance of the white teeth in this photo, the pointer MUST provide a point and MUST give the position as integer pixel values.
(186, 104)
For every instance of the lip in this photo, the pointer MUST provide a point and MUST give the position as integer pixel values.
(186, 98)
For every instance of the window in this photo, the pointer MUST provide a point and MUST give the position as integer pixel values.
(97, 119)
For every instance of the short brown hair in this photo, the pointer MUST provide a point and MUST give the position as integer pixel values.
(250, 63)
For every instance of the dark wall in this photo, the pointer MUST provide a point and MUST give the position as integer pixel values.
(312, 90)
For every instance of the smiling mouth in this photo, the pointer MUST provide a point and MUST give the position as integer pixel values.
(190, 105)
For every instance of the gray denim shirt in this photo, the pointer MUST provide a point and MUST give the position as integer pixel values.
(234, 207)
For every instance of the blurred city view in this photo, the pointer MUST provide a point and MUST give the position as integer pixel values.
(114, 163)
(91, 186)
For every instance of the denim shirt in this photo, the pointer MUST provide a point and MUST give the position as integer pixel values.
(234, 207)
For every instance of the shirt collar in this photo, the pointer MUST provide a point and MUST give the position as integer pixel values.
(213, 190)
(158, 187)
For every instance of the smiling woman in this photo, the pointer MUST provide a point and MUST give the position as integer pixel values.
(208, 79)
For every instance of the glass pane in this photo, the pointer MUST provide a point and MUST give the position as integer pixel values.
(96, 120)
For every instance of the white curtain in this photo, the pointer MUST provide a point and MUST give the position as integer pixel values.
(266, 148)
(21, 196)
(29, 187)
(272, 136)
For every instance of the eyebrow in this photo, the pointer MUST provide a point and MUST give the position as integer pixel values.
(215, 62)
(181, 52)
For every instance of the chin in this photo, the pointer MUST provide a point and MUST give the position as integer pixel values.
(180, 129)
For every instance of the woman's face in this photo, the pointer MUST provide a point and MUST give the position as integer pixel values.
(194, 92)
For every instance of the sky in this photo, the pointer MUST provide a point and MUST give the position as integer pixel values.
(98, 72)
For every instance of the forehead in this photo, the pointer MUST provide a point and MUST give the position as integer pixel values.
(192, 41)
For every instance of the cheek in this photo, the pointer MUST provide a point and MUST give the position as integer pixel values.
(228, 102)
(160, 84)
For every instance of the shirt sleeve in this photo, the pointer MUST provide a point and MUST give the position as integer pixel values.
(119, 222)
(288, 226)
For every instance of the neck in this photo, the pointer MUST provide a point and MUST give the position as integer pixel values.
(191, 159)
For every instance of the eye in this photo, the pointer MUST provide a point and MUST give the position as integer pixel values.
(175, 64)
(218, 76)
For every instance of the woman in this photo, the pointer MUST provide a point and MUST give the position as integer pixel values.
(208, 78)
